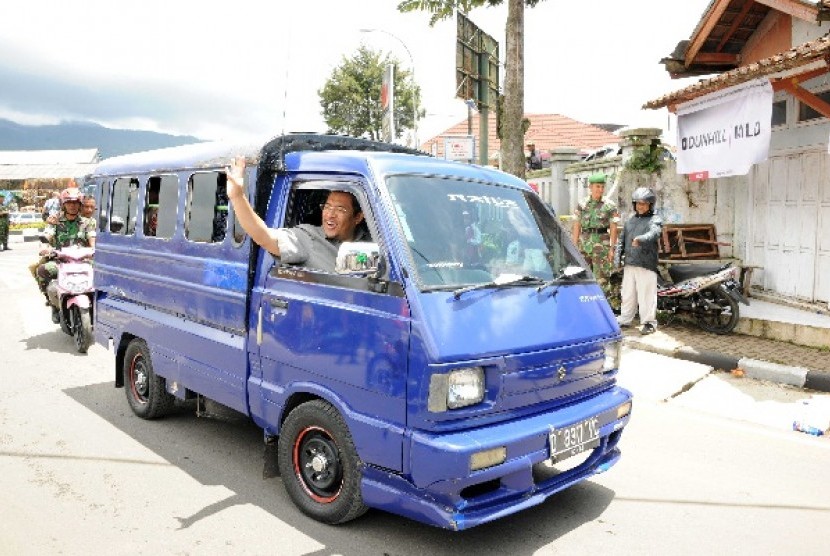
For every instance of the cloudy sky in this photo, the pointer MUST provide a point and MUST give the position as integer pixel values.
(250, 68)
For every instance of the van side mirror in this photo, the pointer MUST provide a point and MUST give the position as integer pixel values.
(357, 257)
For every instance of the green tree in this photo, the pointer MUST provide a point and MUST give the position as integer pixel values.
(512, 111)
(351, 96)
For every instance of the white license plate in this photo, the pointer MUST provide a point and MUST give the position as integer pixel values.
(574, 439)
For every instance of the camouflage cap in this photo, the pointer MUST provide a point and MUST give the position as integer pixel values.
(597, 178)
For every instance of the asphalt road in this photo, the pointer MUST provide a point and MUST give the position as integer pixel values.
(705, 470)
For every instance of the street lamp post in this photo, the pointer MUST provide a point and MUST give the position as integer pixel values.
(414, 84)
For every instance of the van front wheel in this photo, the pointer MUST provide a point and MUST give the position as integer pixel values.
(145, 390)
(319, 464)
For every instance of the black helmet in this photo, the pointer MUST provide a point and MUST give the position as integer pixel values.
(643, 194)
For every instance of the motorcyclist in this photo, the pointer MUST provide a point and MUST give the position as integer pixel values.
(637, 250)
(70, 228)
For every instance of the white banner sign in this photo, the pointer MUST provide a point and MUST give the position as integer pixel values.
(726, 132)
(461, 147)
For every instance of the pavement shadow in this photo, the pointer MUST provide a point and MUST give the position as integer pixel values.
(55, 341)
(229, 453)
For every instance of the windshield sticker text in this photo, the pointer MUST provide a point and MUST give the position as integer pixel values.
(483, 199)
(590, 298)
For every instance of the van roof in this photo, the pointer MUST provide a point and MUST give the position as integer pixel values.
(193, 156)
(271, 159)
(216, 154)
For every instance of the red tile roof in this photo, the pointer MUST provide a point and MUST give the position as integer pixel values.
(547, 131)
(810, 55)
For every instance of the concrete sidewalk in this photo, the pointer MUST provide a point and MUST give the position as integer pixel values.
(773, 342)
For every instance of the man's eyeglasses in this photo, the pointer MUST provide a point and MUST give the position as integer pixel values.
(333, 208)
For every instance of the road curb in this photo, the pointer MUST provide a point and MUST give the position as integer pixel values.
(633, 343)
(23, 236)
(764, 370)
(800, 377)
(817, 381)
(712, 358)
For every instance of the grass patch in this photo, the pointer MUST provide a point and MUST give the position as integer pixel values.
(28, 225)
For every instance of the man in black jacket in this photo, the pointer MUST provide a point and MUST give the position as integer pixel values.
(534, 161)
(637, 252)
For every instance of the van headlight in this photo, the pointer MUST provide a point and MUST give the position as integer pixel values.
(458, 388)
(612, 356)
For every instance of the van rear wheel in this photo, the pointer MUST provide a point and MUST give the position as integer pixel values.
(319, 465)
(146, 392)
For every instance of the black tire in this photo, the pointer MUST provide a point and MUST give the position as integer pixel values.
(319, 464)
(145, 390)
(63, 320)
(722, 320)
(83, 328)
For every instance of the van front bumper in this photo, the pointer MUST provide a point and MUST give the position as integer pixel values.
(445, 492)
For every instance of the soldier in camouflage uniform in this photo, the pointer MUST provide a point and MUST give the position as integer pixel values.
(4, 225)
(70, 228)
(595, 233)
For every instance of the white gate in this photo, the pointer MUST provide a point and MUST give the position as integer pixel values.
(790, 225)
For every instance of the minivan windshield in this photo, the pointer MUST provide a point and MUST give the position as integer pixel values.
(464, 233)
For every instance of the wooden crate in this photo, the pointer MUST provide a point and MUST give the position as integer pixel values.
(690, 241)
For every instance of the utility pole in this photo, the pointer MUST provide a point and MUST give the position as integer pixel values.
(483, 110)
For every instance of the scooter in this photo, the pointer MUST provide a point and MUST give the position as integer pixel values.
(70, 294)
(709, 294)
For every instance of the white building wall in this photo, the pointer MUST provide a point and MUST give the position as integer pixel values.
(805, 31)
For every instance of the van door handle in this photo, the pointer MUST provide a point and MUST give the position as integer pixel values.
(277, 303)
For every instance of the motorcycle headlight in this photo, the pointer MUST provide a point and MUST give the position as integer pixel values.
(458, 388)
(75, 284)
(613, 351)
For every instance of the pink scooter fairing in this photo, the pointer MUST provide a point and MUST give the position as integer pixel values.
(71, 293)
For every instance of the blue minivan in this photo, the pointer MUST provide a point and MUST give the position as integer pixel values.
(457, 368)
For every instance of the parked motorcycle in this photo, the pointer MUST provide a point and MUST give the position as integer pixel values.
(70, 294)
(709, 294)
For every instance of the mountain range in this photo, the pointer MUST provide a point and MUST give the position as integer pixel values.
(85, 135)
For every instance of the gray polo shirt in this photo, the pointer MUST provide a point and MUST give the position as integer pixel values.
(308, 246)
(647, 230)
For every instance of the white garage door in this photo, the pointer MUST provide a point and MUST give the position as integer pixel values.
(790, 225)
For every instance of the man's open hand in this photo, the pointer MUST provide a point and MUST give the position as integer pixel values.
(236, 177)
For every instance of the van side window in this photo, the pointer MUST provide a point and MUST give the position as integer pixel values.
(206, 219)
(124, 200)
(160, 204)
(304, 209)
(103, 213)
